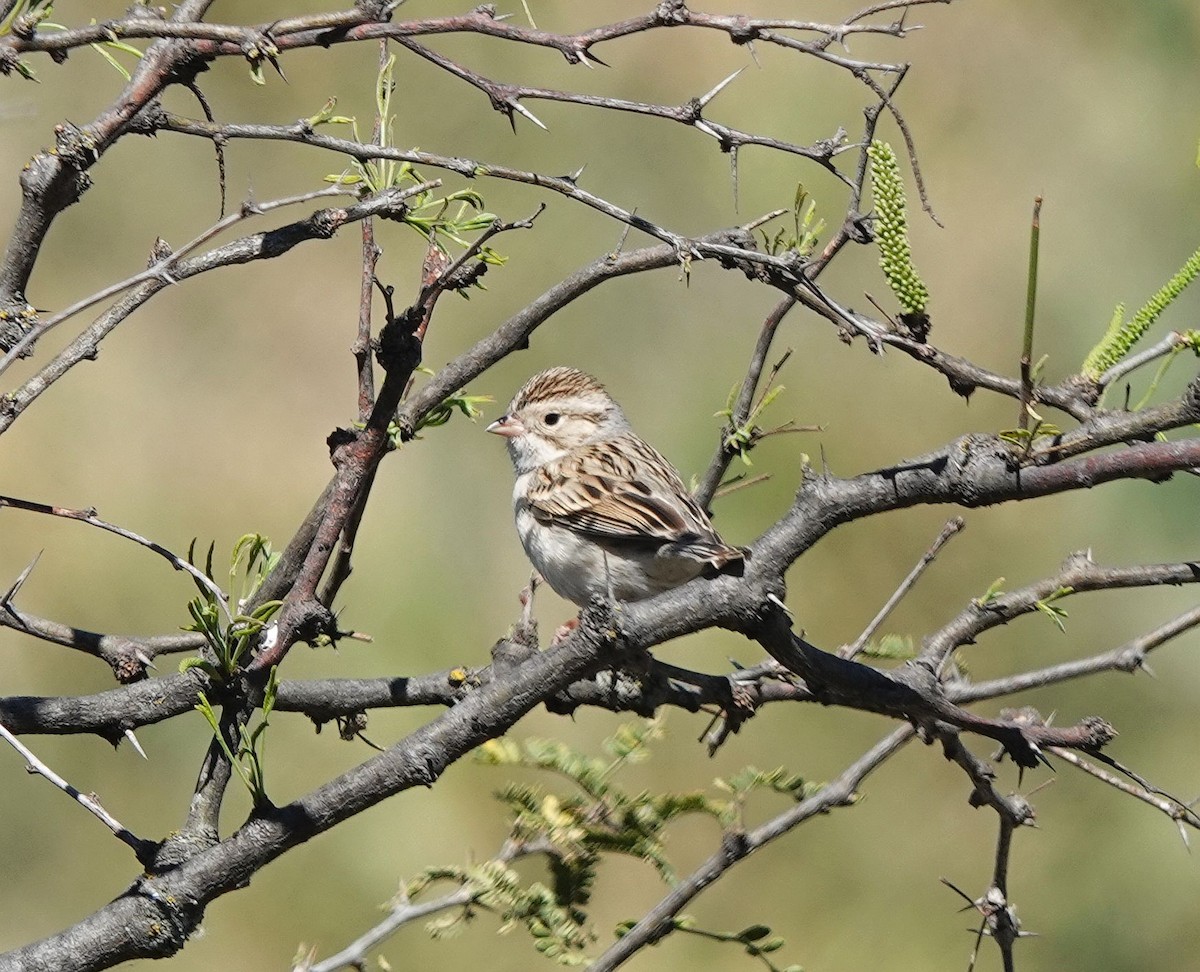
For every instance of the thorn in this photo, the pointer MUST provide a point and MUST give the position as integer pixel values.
(517, 106)
(583, 59)
(754, 54)
(1040, 786)
(700, 125)
(957, 890)
(705, 99)
(1183, 836)
(779, 604)
(763, 219)
(145, 659)
(500, 18)
(21, 578)
(133, 741)
(573, 178)
(624, 236)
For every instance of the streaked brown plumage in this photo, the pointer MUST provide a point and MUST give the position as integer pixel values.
(597, 508)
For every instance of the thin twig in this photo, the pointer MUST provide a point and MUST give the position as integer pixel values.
(1129, 657)
(736, 847)
(1168, 345)
(401, 912)
(1030, 304)
(91, 519)
(161, 269)
(257, 246)
(142, 848)
(1079, 574)
(1180, 812)
(951, 528)
(723, 456)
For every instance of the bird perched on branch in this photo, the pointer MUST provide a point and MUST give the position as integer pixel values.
(599, 511)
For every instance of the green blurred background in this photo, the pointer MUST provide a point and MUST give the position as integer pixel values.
(206, 414)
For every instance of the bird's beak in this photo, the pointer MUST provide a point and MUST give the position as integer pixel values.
(508, 426)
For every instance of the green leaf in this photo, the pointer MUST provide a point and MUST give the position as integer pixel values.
(324, 115)
(995, 589)
(344, 179)
(193, 662)
(893, 646)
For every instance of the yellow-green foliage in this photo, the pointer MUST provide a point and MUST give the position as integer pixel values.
(576, 829)
(891, 229)
(1122, 335)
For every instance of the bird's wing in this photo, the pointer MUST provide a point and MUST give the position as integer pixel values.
(619, 490)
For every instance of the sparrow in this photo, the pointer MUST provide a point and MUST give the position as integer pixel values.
(599, 511)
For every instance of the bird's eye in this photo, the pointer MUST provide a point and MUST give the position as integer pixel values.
(552, 418)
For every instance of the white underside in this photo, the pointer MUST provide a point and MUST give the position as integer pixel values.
(579, 568)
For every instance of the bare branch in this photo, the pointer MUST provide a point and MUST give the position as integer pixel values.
(951, 528)
(736, 847)
(91, 519)
(142, 848)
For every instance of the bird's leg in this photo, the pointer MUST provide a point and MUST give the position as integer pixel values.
(564, 632)
(525, 630)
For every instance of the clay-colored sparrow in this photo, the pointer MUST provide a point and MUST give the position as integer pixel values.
(598, 510)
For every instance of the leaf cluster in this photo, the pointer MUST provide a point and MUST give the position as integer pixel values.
(249, 760)
(427, 213)
(805, 230)
(741, 438)
(575, 830)
(231, 633)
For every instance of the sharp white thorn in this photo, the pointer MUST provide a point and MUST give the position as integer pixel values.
(583, 59)
(21, 579)
(779, 604)
(517, 106)
(705, 99)
(133, 741)
(703, 126)
(145, 659)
